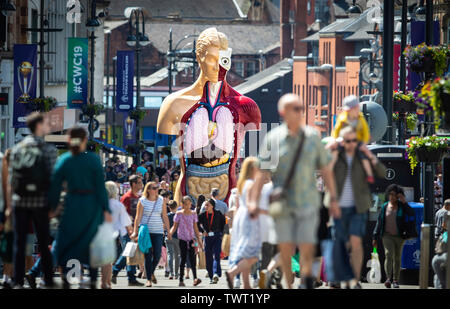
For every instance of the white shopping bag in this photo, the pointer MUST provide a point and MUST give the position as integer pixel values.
(374, 274)
(130, 249)
(103, 246)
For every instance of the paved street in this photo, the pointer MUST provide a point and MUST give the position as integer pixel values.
(165, 283)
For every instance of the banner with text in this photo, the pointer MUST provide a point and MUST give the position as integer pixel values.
(129, 131)
(125, 76)
(25, 81)
(77, 72)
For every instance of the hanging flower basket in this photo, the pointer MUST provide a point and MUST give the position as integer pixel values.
(92, 110)
(93, 146)
(429, 59)
(411, 121)
(404, 102)
(429, 156)
(427, 65)
(137, 114)
(42, 105)
(439, 92)
(428, 149)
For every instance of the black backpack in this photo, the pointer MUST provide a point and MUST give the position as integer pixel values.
(30, 172)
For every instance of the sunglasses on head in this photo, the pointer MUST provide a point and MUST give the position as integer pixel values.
(348, 141)
(153, 188)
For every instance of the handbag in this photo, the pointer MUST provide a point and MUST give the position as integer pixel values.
(151, 213)
(201, 264)
(130, 249)
(137, 259)
(278, 197)
(226, 240)
(103, 247)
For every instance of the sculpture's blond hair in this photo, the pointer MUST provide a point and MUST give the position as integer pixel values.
(210, 37)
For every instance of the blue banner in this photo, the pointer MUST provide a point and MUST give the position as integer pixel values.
(129, 131)
(125, 75)
(25, 80)
(77, 72)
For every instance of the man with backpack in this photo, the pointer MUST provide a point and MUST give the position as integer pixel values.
(32, 162)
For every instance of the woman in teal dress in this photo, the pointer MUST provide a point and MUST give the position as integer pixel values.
(86, 203)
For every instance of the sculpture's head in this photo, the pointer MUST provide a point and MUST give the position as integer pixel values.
(208, 47)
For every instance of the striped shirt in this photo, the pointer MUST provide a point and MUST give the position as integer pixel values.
(347, 199)
(151, 215)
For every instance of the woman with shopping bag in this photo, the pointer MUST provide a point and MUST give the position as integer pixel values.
(86, 203)
(185, 222)
(151, 215)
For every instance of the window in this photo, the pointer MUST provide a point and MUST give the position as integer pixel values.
(309, 96)
(250, 68)
(303, 93)
(239, 67)
(308, 7)
(152, 102)
(57, 41)
(324, 91)
(34, 24)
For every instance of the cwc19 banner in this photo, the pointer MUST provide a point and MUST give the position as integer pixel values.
(125, 75)
(77, 72)
(25, 80)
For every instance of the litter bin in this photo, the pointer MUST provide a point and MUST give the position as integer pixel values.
(411, 249)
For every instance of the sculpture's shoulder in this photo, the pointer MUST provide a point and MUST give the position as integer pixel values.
(249, 112)
(174, 106)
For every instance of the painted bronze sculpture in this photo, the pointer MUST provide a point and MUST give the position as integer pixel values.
(210, 119)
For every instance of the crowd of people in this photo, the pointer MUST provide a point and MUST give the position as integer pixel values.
(310, 207)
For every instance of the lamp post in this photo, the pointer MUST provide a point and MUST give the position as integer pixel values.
(114, 103)
(108, 44)
(137, 40)
(92, 24)
(172, 54)
(388, 63)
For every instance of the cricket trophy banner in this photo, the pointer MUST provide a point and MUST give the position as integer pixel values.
(25, 80)
(125, 76)
(129, 131)
(210, 120)
(77, 72)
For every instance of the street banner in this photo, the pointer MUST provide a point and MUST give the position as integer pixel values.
(129, 131)
(397, 60)
(125, 76)
(418, 37)
(25, 80)
(77, 72)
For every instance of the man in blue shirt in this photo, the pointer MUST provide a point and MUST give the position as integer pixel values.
(220, 205)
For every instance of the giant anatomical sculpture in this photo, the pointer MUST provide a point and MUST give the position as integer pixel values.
(210, 119)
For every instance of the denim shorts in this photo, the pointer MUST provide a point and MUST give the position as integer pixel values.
(350, 223)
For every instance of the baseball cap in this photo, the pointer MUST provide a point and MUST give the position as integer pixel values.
(350, 102)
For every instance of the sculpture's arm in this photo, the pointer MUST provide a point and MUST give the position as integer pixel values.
(166, 116)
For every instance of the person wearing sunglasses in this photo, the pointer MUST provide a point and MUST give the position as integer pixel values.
(294, 147)
(354, 197)
(351, 116)
(152, 211)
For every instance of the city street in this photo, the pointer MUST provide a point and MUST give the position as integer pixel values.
(165, 283)
(269, 131)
